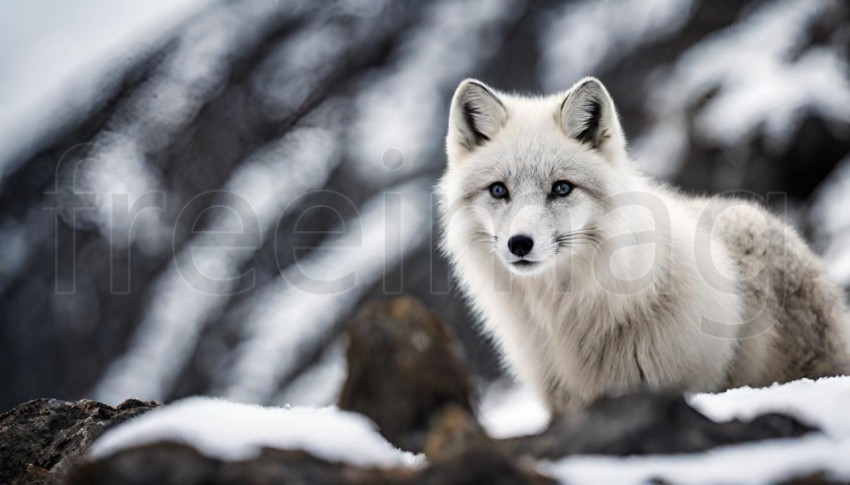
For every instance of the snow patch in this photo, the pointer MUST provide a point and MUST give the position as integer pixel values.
(588, 36)
(125, 195)
(828, 218)
(321, 384)
(768, 462)
(761, 85)
(404, 110)
(58, 58)
(233, 431)
(288, 75)
(208, 270)
(823, 403)
(509, 410)
(293, 313)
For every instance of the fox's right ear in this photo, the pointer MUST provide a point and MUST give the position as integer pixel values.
(476, 115)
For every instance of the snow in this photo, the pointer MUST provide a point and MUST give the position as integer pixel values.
(822, 403)
(234, 431)
(208, 270)
(828, 218)
(55, 54)
(292, 314)
(508, 410)
(115, 180)
(585, 37)
(405, 109)
(321, 384)
(762, 85)
(755, 463)
(154, 114)
(290, 73)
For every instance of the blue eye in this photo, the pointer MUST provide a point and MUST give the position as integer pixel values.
(561, 188)
(498, 190)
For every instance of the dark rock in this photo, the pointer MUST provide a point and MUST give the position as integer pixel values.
(815, 478)
(172, 463)
(460, 452)
(166, 462)
(402, 369)
(40, 438)
(646, 423)
(41, 442)
(480, 465)
(454, 430)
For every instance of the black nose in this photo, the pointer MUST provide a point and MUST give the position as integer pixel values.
(520, 245)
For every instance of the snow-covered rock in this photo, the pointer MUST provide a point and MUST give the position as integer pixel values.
(235, 431)
(823, 403)
(786, 432)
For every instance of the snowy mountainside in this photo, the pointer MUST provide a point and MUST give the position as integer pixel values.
(314, 131)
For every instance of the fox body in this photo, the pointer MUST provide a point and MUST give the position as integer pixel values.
(593, 278)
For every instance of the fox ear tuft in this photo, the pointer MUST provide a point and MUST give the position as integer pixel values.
(589, 116)
(476, 115)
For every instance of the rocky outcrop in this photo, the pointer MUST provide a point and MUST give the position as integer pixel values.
(645, 423)
(39, 439)
(165, 463)
(402, 368)
(42, 441)
(406, 376)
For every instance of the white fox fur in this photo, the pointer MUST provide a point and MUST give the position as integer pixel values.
(629, 282)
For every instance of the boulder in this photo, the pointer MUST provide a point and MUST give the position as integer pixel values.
(167, 462)
(172, 463)
(40, 438)
(403, 367)
(459, 452)
(454, 430)
(645, 423)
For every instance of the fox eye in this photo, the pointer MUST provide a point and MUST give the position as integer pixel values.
(498, 190)
(561, 188)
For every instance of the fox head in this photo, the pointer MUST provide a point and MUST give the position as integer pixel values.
(528, 178)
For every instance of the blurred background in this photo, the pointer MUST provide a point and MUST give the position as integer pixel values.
(196, 195)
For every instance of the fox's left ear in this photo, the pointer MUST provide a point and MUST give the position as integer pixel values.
(589, 116)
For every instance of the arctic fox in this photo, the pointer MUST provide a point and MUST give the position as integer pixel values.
(592, 278)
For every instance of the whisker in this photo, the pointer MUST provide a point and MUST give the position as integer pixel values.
(587, 236)
(481, 236)
(547, 247)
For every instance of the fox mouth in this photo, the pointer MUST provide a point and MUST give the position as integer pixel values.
(524, 266)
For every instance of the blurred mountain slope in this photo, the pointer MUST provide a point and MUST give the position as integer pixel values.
(176, 240)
